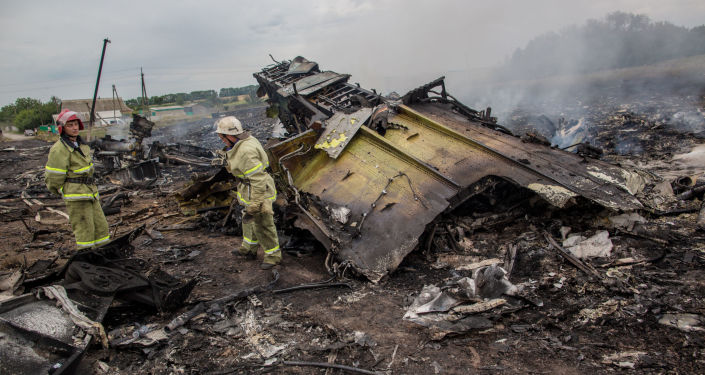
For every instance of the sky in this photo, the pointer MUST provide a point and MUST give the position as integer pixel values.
(52, 48)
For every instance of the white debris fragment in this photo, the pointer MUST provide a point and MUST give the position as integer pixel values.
(605, 308)
(664, 188)
(684, 322)
(340, 214)
(58, 293)
(431, 299)
(599, 173)
(101, 367)
(453, 260)
(480, 306)
(627, 359)
(468, 286)
(556, 195)
(10, 284)
(634, 181)
(564, 232)
(598, 245)
(363, 339)
(626, 221)
(422, 304)
(437, 369)
(492, 282)
(559, 284)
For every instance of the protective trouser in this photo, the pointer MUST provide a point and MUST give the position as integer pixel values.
(258, 229)
(88, 222)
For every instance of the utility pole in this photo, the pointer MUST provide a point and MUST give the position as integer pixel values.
(97, 83)
(145, 98)
(114, 95)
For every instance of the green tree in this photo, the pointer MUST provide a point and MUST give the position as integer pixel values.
(28, 119)
(26, 103)
(156, 100)
(8, 113)
(27, 113)
(132, 103)
(47, 109)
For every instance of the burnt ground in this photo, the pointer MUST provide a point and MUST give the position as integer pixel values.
(565, 322)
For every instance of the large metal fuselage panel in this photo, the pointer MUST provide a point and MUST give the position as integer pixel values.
(393, 186)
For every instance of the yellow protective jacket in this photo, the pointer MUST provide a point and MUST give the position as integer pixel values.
(247, 161)
(66, 161)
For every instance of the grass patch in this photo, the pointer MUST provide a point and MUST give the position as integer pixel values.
(48, 137)
(95, 133)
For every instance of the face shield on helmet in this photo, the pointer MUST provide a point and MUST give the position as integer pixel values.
(229, 125)
(66, 116)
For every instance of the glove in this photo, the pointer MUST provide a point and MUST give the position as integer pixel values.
(256, 208)
(253, 208)
(220, 158)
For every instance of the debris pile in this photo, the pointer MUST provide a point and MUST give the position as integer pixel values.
(386, 163)
(652, 123)
(488, 252)
(88, 284)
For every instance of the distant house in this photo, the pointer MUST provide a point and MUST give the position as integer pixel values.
(170, 112)
(108, 111)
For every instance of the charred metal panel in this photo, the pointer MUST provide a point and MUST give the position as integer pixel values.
(391, 197)
(340, 129)
(393, 186)
(311, 84)
(466, 151)
(191, 150)
(299, 65)
(207, 190)
(369, 197)
(311, 95)
(139, 174)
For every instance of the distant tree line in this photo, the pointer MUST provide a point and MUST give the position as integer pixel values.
(619, 40)
(209, 96)
(233, 91)
(29, 113)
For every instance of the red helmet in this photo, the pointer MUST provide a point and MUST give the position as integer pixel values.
(66, 116)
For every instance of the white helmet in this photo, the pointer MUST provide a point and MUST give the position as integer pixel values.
(228, 125)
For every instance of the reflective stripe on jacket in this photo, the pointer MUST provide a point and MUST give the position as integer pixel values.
(247, 160)
(65, 161)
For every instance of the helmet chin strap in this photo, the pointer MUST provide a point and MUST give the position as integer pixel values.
(231, 144)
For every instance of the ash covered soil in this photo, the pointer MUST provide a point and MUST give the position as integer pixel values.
(565, 321)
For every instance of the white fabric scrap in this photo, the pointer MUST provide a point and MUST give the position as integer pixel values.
(58, 293)
(598, 245)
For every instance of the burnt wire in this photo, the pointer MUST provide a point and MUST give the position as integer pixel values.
(321, 284)
(465, 110)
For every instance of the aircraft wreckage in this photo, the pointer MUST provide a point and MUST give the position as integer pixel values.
(368, 174)
(49, 330)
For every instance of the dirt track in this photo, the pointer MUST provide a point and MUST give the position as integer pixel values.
(15, 137)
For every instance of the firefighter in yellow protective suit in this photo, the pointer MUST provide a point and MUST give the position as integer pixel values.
(69, 173)
(247, 161)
